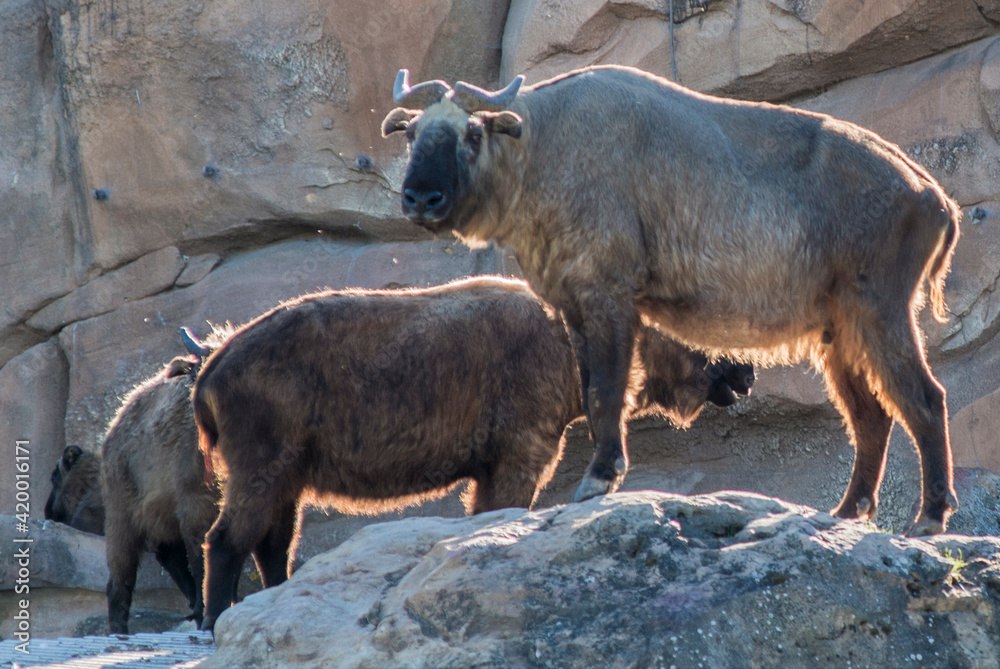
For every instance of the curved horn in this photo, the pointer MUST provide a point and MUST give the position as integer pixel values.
(473, 98)
(421, 96)
(192, 344)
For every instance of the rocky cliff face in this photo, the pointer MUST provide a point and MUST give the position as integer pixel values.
(771, 50)
(172, 163)
(633, 579)
(152, 150)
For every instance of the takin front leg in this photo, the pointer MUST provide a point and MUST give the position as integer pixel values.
(509, 485)
(580, 349)
(224, 557)
(526, 465)
(868, 426)
(196, 564)
(609, 338)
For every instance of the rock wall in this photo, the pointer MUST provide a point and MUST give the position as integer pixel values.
(161, 158)
(770, 50)
(171, 164)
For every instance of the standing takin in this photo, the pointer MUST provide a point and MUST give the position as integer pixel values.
(368, 401)
(76, 491)
(155, 494)
(745, 229)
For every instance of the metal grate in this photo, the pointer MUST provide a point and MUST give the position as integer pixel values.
(136, 651)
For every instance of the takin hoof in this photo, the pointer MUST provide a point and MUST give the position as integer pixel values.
(592, 485)
(927, 524)
(863, 509)
(925, 527)
(208, 625)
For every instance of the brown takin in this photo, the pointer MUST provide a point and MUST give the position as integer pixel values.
(748, 230)
(76, 491)
(153, 478)
(368, 401)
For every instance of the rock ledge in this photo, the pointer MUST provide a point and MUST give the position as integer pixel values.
(631, 579)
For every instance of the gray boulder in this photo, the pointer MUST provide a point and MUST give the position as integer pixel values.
(632, 579)
(64, 557)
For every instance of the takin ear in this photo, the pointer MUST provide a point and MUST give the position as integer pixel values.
(71, 454)
(501, 123)
(397, 120)
(181, 365)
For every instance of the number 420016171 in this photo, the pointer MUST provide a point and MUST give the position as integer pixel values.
(22, 466)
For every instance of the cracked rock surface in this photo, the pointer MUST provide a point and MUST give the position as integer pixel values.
(629, 580)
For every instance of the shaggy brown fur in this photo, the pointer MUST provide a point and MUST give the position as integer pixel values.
(156, 499)
(744, 229)
(369, 401)
(76, 491)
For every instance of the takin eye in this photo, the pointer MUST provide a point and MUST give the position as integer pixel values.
(474, 136)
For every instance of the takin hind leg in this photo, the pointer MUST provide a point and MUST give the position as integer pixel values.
(868, 426)
(123, 564)
(908, 390)
(275, 553)
(173, 558)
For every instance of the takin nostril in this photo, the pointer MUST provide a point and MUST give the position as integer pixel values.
(435, 200)
(409, 198)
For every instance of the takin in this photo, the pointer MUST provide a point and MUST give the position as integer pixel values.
(746, 230)
(154, 484)
(76, 491)
(369, 401)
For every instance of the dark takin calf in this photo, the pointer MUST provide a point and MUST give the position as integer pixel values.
(744, 229)
(368, 401)
(154, 486)
(76, 491)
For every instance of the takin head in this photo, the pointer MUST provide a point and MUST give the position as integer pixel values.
(728, 380)
(76, 491)
(448, 130)
(677, 381)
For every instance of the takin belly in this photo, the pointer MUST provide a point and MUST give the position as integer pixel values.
(374, 472)
(376, 489)
(772, 309)
(766, 333)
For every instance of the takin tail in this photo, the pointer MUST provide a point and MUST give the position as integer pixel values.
(942, 264)
(208, 433)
